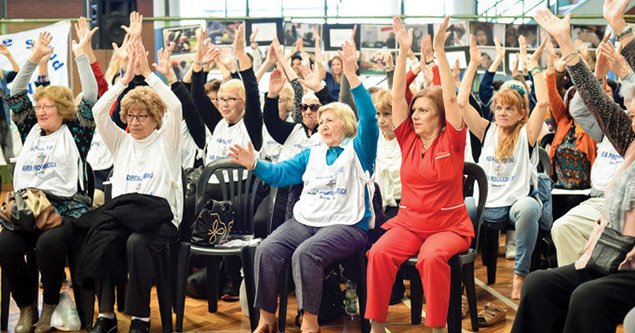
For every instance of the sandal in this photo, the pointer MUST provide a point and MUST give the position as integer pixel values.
(264, 328)
(491, 315)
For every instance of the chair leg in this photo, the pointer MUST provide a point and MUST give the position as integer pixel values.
(416, 296)
(182, 265)
(490, 252)
(470, 288)
(454, 308)
(6, 293)
(212, 283)
(361, 290)
(163, 278)
(248, 257)
(284, 295)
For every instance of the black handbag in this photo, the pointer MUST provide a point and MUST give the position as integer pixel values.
(213, 224)
(610, 251)
(16, 214)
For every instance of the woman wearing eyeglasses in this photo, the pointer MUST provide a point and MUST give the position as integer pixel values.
(146, 161)
(237, 120)
(56, 136)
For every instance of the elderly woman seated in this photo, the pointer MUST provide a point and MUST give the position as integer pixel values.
(146, 187)
(331, 218)
(56, 137)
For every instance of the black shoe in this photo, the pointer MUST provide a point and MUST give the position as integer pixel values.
(231, 291)
(104, 325)
(139, 326)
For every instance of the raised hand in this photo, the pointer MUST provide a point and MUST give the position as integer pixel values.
(614, 13)
(349, 57)
(456, 72)
(428, 76)
(4, 50)
(272, 57)
(403, 37)
(311, 77)
(500, 49)
(535, 58)
(584, 51)
(560, 29)
(225, 58)
(122, 52)
(142, 66)
(242, 156)
(163, 57)
(616, 62)
(130, 68)
(252, 38)
(278, 48)
(41, 47)
(514, 65)
(85, 37)
(475, 52)
(136, 24)
(426, 49)
(276, 83)
(239, 39)
(440, 36)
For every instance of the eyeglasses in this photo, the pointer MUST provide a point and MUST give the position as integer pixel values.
(229, 100)
(140, 117)
(44, 107)
(313, 107)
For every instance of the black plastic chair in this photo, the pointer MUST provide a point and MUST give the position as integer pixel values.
(240, 187)
(462, 265)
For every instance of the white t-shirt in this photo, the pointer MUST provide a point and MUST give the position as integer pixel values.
(607, 163)
(99, 156)
(507, 180)
(226, 136)
(151, 165)
(50, 163)
(298, 141)
(270, 148)
(189, 149)
(387, 171)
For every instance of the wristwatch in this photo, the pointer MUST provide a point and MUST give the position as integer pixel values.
(627, 29)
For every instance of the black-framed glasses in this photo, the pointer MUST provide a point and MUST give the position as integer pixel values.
(312, 107)
(140, 117)
(230, 100)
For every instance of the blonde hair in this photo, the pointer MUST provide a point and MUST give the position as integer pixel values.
(146, 98)
(213, 85)
(309, 95)
(382, 99)
(286, 96)
(234, 84)
(113, 68)
(346, 114)
(62, 97)
(511, 97)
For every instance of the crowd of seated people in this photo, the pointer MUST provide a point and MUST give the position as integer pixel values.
(139, 126)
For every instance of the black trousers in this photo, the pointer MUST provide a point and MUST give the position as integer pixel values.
(143, 252)
(50, 248)
(567, 300)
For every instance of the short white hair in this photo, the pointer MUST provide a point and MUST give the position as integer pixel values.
(627, 90)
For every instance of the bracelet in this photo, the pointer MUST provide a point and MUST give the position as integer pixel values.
(571, 55)
(429, 62)
(199, 63)
(624, 35)
(537, 71)
(536, 67)
(172, 81)
(253, 167)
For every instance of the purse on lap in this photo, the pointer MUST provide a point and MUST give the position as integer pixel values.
(28, 210)
(572, 167)
(610, 251)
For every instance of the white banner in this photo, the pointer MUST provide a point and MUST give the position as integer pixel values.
(20, 46)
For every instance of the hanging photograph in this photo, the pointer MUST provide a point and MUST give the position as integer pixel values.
(266, 30)
(184, 38)
(378, 36)
(489, 54)
(459, 35)
(293, 31)
(418, 31)
(336, 34)
(512, 31)
(372, 63)
(590, 35)
(222, 32)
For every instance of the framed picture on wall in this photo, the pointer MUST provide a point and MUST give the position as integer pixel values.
(222, 32)
(293, 31)
(377, 36)
(590, 35)
(462, 54)
(418, 31)
(459, 35)
(184, 38)
(266, 30)
(530, 31)
(336, 34)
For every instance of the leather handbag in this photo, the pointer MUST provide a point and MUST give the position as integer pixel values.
(28, 210)
(610, 251)
(572, 167)
(213, 224)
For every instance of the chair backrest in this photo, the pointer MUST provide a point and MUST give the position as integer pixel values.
(547, 139)
(236, 185)
(545, 162)
(474, 173)
(90, 186)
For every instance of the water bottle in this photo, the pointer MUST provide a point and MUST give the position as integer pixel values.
(350, 299)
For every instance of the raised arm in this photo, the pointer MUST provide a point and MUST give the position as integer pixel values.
(288, 71)
(278, 128)
(244, 62)
(399, 106)
(87, 79)
(4, 50)
(556, 104)
(452, 113)
(206, 109)
(311, 79)
(271, 60)
(537, 116)
(473, 119)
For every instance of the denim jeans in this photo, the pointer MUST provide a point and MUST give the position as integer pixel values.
(524, 215)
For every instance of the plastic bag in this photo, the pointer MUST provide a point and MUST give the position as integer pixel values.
(65, 316)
